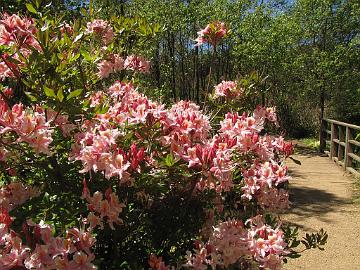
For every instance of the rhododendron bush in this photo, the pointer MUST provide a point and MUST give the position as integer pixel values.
(96, 174)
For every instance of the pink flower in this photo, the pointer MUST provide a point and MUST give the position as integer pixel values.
(156, 263)
(101, 28)
(109, 208)
(39, 258)
(232, 242)
(115, 63)
(66, 28)
(60, 246)
(93, 221)
(18, 31)
(105, 68)
(96, 98)
(119, 62)
(81, 261)
(30, 127)
(228, 89)
(5, 217)
(61, 121)
(81, 239)
(8, 92)
(213, 33)
(44, 229)
(15, 194)
(15, 255)
(137, 63)
(14, 29)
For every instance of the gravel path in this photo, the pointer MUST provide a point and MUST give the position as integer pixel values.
(321, 198)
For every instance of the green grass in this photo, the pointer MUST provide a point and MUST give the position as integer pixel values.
(312, 143)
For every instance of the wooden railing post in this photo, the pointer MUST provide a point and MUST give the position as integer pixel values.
(348, 148)
(341, 137)
(322, 136)
(332, 143)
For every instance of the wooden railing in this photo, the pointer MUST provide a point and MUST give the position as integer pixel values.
(338, 139)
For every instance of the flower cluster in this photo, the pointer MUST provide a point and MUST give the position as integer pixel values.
(102, 29)
(129, 106)
(44, 251)
(228, 89)
(186, 131)
(246, 130)
(100, 208)
(185, 125)
(19, 32)
(262, 181)
(15, 194)
(31, 127)
(115, 63)
(98, 151)
(156, 263)
(137, 63)
(213, 33)
(8, 92)
(60, 120)
(97, 146)
(233, 243)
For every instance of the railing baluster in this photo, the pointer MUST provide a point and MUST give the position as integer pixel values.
(340, 153)
(348, 148)
(333, 137)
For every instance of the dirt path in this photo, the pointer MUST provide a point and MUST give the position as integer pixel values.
(321, 196)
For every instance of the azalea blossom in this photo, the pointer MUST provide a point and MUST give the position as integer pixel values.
(114, 63)
(228, 89)
(101, 28)
(31, 127)
(137, 63)
(108, 208)
(233, 242)
(213, 33)
(15, 194)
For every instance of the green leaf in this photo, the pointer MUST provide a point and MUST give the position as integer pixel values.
(296, 161)
(295, 244)
(31, 97)
(86, 55)
(169, 160)
(49, 92)
(74, 93)
(38, 3)
(294, 255)
(31, 8)
(60, 95)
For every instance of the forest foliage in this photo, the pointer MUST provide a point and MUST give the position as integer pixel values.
(301, 56)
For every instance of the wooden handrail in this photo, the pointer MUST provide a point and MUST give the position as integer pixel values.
(341, 143)
(342, 123)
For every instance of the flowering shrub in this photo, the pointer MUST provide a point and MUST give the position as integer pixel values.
(96, 174)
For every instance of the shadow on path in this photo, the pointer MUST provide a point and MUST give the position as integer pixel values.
(304, 150)
(309, 202)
